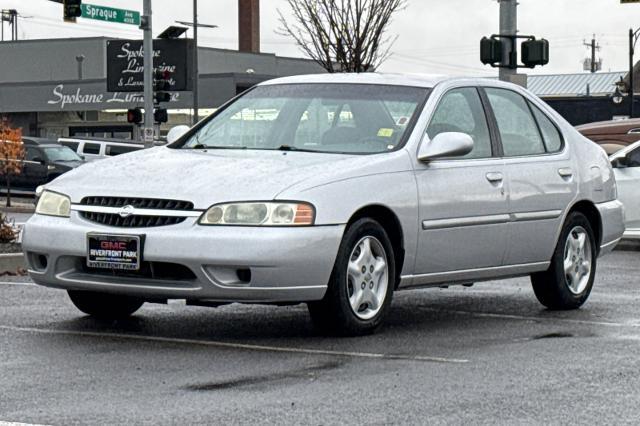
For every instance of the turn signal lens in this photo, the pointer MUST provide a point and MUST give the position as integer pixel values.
(260, 214)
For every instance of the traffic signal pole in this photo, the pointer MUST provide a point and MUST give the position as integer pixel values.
(509, 27)
(148, 76)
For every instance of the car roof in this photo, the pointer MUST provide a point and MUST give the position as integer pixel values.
(413, 80)
(30, 140)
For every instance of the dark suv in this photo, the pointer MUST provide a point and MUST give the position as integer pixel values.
(44, 161)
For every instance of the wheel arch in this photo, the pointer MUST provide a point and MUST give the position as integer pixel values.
(391, 224)
(589, 209)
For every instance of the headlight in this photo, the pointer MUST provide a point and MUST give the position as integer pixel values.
(53, 204)
(260, 214)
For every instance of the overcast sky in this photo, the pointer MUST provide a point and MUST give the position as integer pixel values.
(438, 36)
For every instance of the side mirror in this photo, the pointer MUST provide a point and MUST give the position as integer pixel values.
(448, 144)
(176, 133)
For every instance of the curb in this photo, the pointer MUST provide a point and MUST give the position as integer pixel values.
(18, 209)
(628, 245)
(11, 262)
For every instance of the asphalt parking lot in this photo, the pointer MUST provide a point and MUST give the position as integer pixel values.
(489, 354)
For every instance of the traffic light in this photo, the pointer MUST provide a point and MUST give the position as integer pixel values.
(72, 10)
(134, 116)
(490, 51)
(160, 115)
(535, 52)
(161, 86)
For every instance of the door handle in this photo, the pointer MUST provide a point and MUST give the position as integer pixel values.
(565, 172)
(494, 177)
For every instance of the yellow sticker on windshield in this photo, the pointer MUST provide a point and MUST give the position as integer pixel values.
(385, 133)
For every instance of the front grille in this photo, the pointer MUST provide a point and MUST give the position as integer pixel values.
(139, 203)
(134, 221)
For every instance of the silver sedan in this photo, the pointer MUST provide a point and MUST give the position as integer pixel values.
(336, 191)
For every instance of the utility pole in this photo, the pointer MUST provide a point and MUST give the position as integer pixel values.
(148, 74)
(196, 72)
(594, 47)
(10, 16)
(509, 26)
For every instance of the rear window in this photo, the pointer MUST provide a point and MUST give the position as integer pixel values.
(91, 148)
(113, 150)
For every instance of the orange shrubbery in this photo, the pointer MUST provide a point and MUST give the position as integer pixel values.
(11, 152)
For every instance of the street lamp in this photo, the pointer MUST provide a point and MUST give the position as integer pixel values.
(633, 39)
(617, 97)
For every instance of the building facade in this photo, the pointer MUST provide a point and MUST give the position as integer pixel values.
(57, 87)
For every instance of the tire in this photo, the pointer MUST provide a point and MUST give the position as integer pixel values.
(568, 281)
(357, 302)
(103, 305)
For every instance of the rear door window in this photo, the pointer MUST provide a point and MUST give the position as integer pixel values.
(91, 148)
(518, 129)
(550, 133)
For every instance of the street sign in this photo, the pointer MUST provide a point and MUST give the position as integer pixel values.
(125, 64)
(110, 14)
(147, 135)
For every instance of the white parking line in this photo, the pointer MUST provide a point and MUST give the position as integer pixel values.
(220, 344)
(17, 283)
(17, 424)
(633, 324)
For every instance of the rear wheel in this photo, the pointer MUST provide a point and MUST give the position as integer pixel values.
(104, 305)
(568, 281)
(361, 284)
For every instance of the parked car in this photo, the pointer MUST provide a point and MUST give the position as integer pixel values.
(336, 191)
(626, 167)
(98, 149)
(612, 135)
(44, 161)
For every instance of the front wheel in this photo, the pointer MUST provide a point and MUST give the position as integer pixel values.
(361, 284)
(103, 305)
(568, 281)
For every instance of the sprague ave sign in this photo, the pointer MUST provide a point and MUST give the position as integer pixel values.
(110, 14)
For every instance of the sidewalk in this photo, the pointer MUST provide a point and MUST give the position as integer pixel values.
(18, 205)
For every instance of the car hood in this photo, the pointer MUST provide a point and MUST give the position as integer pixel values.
(608, 127)
(205, 177)
(68, 164)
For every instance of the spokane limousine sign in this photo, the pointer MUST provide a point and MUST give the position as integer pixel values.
(64, 98)
(125, 64)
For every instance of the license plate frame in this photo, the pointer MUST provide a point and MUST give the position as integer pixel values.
(114, 252)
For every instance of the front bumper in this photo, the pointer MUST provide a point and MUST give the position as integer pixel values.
(286, 264)
(612, 216)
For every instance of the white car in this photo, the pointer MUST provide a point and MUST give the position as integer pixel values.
(626, 167)
(98, 149)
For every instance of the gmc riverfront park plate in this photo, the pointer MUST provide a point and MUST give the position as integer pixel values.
(113, 251)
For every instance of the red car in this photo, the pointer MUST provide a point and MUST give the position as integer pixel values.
(612, 135)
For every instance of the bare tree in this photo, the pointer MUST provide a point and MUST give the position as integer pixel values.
(342, 35)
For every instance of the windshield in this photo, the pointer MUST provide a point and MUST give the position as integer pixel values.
(61, 154)
(340, 118)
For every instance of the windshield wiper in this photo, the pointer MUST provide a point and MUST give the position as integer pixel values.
(293, 148)
(201, 146)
